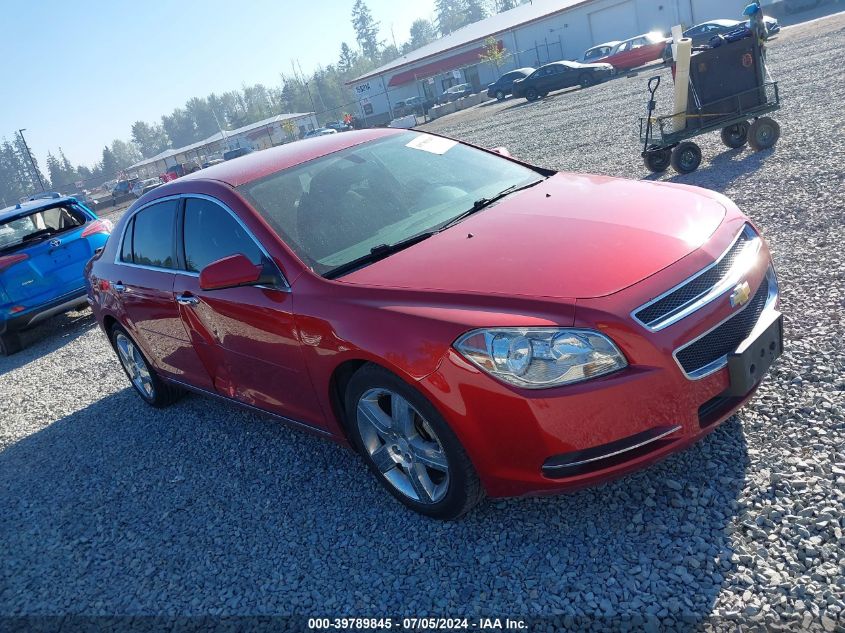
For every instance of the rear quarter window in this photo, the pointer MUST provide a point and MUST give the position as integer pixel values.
(152, 237)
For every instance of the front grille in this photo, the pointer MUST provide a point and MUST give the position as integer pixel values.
(669, 305)
(726, 338)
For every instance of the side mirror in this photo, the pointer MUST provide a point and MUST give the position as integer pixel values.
(231, 272)
(501, 151)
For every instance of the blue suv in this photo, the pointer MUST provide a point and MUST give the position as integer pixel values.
(44, 246)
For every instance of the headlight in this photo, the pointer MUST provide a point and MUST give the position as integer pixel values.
(537, 358)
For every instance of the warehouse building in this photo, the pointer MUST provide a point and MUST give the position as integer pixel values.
(276, 130)
(530, 35)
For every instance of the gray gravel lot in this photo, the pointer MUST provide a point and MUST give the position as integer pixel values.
(108, 506)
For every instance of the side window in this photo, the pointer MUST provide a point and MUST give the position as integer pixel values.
(211, 233)
(126, 247)
(152, 243)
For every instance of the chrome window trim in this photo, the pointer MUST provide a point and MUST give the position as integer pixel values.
(722, 361)
(620, 451)
(285, 287)
(695, 304)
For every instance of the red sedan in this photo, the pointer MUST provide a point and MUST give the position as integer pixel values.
(472, 325)
(638, 51)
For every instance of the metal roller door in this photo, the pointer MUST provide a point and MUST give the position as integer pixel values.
(618, 22)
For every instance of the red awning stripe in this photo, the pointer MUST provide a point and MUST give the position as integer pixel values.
(466, 58)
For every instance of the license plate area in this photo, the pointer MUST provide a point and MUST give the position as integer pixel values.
(752, 360)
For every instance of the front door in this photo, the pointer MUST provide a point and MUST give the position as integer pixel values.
(246, 336)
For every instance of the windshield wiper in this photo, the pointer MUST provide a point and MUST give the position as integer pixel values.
(483, 203)
(377, 253)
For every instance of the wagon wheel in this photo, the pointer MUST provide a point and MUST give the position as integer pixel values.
(763, 133)
(686, 157)
(735, 136)
(657, 161)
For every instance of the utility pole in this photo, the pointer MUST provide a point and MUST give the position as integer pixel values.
(31, 161)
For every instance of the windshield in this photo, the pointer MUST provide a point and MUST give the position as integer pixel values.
(38, 226)
(334, 210)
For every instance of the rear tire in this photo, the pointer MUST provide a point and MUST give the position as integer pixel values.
(657, 161)
(735, 136)
(408, 445)
(143, 378)
(10, 343)
(686, 157)
(763, 134)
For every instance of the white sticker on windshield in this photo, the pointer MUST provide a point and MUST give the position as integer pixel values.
(433, 144)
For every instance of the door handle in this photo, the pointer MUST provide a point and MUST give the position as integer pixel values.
(187, 299)
(119, 287)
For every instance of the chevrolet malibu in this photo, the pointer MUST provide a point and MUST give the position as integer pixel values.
(472, 325)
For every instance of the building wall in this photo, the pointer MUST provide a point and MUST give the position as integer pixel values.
(563, 36)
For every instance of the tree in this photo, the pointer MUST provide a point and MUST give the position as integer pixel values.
(366, 29)
(149, 139)
(109, 166)
(504, 5)
(450, 15)
(347, 58)
(493, 52)
(28, 170)
(422, 33)
(474, 11)
(125, 154)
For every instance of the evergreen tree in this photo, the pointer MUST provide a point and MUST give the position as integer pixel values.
(366, 29)
(149, 139)
(347, 58)
(450, 15)
(474, 11)
(108, 166)
(422, 33)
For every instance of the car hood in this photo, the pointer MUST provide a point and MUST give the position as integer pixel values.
(572, 236)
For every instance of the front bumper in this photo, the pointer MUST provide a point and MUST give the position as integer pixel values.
(545, 441)
(38, 313)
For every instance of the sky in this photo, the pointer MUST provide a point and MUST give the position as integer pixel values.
(76, 75)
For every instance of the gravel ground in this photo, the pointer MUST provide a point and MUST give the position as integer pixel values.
(110, 507)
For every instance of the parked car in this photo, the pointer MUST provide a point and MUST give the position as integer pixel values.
(559, 75)
(143, 186)
(598, 53)
(639, 51)
(412, 105)
(236, 153)
(44, 245)
(320, 131)
(123, 190)
(454, 93)
(338, 126)
(212, 162)
(45, 195)
(503, 86)
(384, 288)
(84, 197)
(701, 34)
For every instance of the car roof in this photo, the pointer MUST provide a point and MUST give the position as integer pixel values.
(29, 207)
(249, 167)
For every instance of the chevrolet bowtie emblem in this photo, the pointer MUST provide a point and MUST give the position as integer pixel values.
(741, 294)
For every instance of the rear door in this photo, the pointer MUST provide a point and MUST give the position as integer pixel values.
(143, 285)
(52, 266)
(246, 336)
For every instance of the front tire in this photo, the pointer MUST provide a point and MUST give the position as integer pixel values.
(686, 157)
(500, 95)
(657, 161)
(408, 445)
(143, 378)
(531, 94)
(586, 80)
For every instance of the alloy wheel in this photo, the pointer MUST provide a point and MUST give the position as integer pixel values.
(135, 366)
(403, 446)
